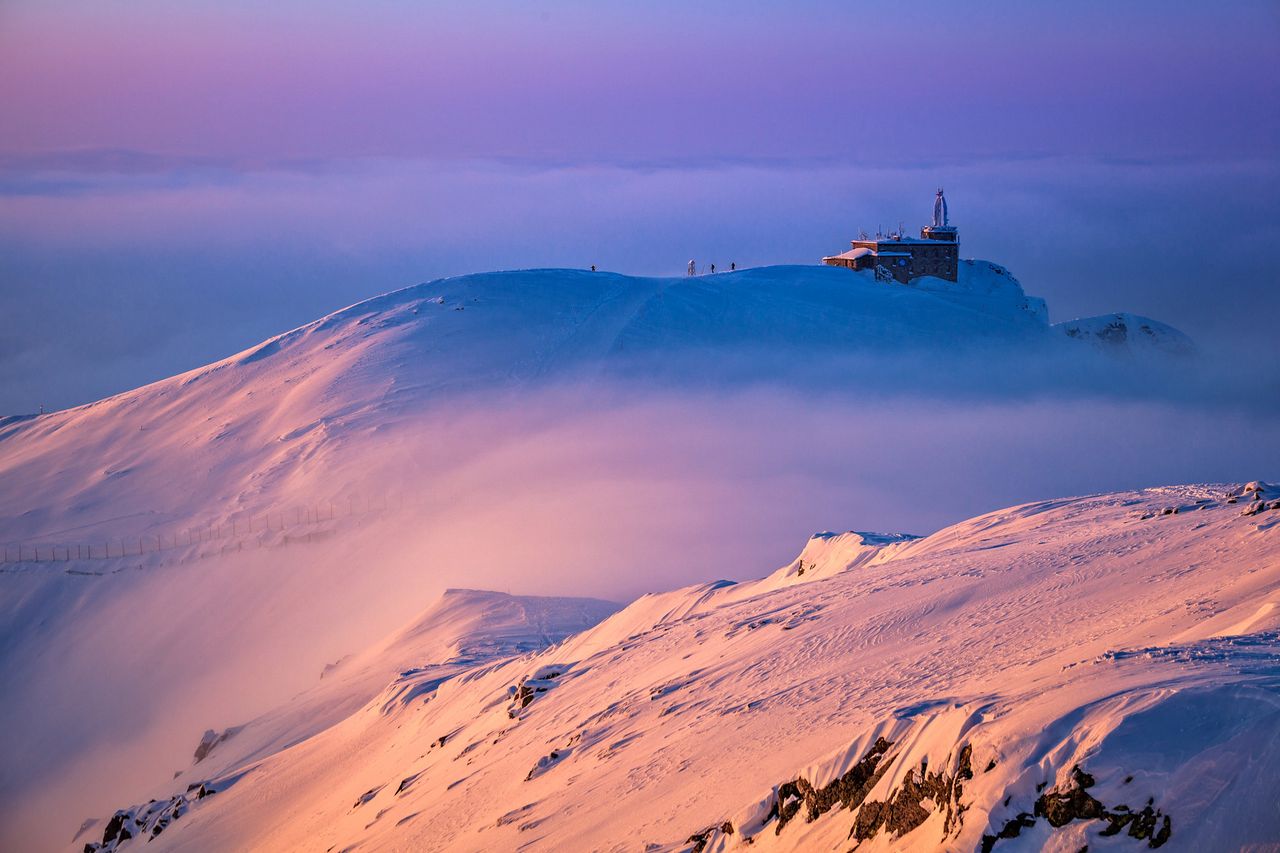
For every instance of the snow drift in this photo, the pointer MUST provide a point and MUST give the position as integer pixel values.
(1086, 671)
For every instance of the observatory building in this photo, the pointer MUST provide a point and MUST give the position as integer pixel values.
(936, 252)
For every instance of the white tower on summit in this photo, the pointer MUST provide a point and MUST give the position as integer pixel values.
(940, 210)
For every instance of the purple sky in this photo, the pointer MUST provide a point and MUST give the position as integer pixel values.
(197, 176)
(600, 82)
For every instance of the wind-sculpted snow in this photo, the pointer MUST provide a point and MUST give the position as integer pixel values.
(464, 629)
(539, 431)
(1085, 671)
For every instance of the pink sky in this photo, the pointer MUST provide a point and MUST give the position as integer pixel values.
(595, 82)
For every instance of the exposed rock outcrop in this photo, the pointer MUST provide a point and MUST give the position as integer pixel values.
(528, 688)
(211, 739)
(1071, 801)
(147, 821)
(904, 811)
(849, 790)
(699, 840)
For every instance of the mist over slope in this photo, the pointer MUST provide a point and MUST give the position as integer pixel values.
(1072, 672)
(310, 411)
(224, 535)
(272, 418)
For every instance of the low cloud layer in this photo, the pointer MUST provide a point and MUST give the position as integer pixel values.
(115, 275)
(608, 491)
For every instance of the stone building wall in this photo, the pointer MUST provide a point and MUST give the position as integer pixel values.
(906, 260)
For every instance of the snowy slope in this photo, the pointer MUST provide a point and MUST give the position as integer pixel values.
(335, 418)
(461, 630)
(1128, 334)
(313, 411)
(1101, 670)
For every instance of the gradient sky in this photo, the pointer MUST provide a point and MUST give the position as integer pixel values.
(178, 181)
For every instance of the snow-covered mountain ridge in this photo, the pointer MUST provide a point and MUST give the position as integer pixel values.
(281, 417)
(1101, 670)
(533, 404)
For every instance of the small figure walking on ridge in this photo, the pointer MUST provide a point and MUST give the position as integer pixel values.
(593, 267)
(713, 269)
(733, 265)
(693, 268)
